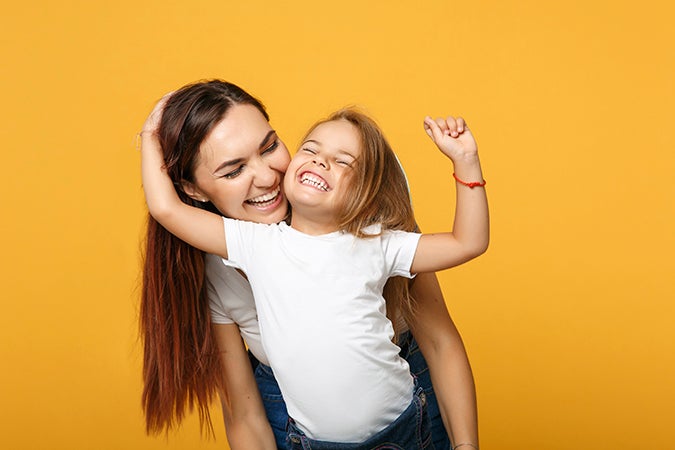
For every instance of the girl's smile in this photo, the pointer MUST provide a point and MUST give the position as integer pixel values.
(313, 180)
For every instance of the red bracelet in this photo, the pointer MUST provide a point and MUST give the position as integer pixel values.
(472, 185)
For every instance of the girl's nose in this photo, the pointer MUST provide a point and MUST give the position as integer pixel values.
(320, 162)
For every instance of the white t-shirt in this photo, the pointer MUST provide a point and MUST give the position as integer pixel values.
(323, 323)
(231, 301)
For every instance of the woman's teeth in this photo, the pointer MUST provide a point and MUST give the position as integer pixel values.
(265, 199)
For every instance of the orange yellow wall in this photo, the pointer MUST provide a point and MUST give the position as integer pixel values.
(568, 319)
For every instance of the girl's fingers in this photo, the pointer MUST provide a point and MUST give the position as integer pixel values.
(442, 125)
(451, 124)
(432, 128)
(461, 125)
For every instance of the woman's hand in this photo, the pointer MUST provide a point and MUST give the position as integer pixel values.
(152, 122)
(452, 137)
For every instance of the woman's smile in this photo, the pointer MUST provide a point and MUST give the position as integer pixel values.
(270, 200)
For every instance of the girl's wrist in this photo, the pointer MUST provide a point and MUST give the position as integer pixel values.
(467, 166)
(467, 158)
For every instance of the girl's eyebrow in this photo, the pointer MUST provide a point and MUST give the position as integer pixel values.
(345, 152)
(236, 161)
(341, 152)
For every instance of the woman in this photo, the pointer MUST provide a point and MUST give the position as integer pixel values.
(239, 175)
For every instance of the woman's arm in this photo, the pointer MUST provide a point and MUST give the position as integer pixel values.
(471, 229)
(246, 424)
(199, 228)
(446, 357)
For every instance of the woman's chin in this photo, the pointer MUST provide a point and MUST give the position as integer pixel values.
(273, 213)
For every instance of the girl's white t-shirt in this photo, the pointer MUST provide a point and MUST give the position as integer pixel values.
(323, 323)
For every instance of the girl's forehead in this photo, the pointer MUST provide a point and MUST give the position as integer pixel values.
(336, 134)
(335, 125)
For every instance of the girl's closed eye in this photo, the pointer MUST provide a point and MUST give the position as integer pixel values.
(308, 150)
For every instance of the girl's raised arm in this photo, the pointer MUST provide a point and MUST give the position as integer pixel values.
(471, 230)
(199, 228)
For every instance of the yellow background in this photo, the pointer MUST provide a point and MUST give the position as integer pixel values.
(568, 319)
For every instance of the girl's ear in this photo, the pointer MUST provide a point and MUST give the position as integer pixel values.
(193, 191)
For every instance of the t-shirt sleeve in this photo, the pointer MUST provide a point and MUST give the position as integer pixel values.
(215, 277)
(218, 313)
(239, 237)
(399, 250)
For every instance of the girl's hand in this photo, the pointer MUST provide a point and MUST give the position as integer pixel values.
(452, 137)
(152, 122)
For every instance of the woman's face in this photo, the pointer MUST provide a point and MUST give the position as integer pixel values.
(241, 167)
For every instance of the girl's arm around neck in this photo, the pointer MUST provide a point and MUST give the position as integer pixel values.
(470, 234)
(201, 229)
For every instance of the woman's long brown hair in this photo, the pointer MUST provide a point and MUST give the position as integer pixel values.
(181, 364)
(377, 194)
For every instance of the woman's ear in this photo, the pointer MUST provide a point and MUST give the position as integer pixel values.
(193, 191)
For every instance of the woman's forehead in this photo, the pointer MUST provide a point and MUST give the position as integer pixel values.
(240, 133)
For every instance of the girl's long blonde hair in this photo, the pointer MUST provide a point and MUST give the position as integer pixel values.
(377, 193)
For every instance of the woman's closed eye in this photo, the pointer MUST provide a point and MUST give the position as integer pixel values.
(238, 170)
(234, 172)
(270, 148)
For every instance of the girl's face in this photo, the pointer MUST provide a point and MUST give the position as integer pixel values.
(318, 174)
(241, 167)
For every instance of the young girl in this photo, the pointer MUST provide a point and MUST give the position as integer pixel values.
(326, 304)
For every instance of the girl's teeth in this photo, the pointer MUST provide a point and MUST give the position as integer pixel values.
(314, 181)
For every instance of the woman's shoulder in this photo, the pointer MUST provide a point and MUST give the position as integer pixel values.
(217, 268)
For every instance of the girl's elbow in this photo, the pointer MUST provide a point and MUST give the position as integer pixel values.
(477, 249)
(161, 212)
(482, 248)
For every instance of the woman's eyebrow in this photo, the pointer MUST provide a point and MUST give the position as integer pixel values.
(267, 138)
(234, 162)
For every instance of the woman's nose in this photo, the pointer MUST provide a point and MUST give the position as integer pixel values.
(264, 175)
